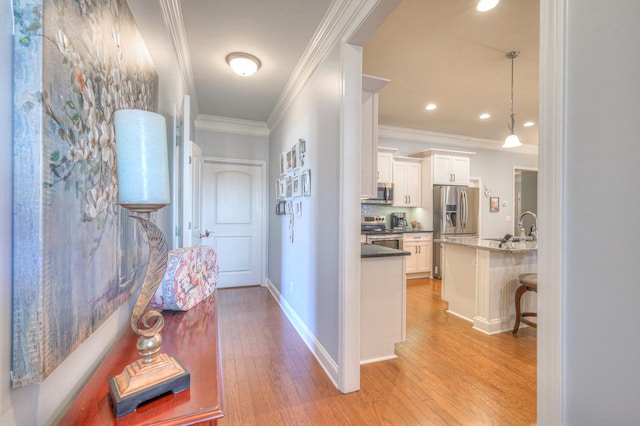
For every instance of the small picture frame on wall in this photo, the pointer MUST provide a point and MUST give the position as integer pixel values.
(289, 187)
(289, 161)
(283, 163)
(494, 204)
(297, 187)
(302, 151)
(295, 157)
(297, 206)
(306, 182)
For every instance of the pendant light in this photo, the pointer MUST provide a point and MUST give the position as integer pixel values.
(512, 140)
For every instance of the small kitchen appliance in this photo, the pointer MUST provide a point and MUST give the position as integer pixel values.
(398, 221)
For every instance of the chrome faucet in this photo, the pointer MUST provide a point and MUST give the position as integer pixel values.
(534, 228)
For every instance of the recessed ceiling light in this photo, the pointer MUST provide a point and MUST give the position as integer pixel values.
(528, 124)
(243, 64)
(484, 116)
(431, 107)
(484, 5)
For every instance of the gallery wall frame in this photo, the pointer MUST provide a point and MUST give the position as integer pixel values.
(77, 256)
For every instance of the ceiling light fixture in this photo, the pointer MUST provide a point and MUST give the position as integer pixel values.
(243, 64)
(484, 5)
(528, 124)
(431, 107)
(512, 140)
(484, 116)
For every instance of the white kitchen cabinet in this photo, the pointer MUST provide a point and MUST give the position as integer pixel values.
(369, 137)
(385, 165)
(420, 245)
(407, 182)
(451, 170)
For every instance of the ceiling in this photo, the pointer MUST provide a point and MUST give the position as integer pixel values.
(432, 51)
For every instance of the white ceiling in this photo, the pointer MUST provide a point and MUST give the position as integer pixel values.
(432, 51)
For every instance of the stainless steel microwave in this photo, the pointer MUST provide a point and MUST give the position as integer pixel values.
(384, 195)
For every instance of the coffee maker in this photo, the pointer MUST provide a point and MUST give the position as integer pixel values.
(398, 220)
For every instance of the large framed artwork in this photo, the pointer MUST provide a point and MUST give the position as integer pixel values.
(77, 255)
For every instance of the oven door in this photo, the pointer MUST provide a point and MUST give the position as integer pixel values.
(394, 242)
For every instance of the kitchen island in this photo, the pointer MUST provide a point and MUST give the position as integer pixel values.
(480, 279)
(383, 293)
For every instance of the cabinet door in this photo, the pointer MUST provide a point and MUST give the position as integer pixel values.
(414, 185)
(460, 169)
(442, 170)
(369, 145)
(411, 261)
(424, 259)
(385, 167)
(400, 197)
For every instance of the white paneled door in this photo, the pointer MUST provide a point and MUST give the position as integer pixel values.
(233, 213)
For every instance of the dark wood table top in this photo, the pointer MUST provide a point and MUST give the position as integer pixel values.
(192, 338)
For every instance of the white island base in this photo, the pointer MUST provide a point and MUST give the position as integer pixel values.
(480, 283)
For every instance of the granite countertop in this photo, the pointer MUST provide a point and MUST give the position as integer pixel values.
(372, 250)
(492, 245)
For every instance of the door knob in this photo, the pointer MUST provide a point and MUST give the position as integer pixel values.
(206, 234)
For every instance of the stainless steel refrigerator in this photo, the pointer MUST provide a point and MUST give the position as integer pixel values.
(455, 214)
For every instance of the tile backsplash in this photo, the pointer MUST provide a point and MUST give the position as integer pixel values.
(413, 213)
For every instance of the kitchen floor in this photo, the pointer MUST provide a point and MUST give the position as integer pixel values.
(446, 372)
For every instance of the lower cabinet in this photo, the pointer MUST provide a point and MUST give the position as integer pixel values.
(420, 262)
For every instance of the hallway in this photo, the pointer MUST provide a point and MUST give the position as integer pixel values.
(446, 372)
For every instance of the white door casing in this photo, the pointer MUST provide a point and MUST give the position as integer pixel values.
(233, 211)
(196, 229)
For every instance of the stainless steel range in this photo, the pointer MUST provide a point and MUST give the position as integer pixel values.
(375, 229)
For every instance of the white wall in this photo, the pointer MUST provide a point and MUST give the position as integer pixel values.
(493, 167)
(602, 201)
(46, 403)
(228, 145)
(310, 263)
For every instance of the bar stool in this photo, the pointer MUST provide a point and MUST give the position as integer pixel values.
(529, 282)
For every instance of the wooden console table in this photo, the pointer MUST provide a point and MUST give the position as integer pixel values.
(191, 337)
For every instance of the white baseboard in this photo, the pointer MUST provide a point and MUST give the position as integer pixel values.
(318, 351)
(372, 360)
(495, 326)
(459, 316)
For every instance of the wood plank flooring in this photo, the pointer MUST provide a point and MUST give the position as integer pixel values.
(446, 373)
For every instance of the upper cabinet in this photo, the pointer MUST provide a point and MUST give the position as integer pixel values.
(407, 182)
(451, 170)
(369, 141)
(385, 164)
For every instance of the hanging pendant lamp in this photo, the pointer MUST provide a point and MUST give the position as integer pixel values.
(512, 140)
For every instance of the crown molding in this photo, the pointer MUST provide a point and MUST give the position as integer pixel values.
(232, 126)
(341, 20)
(172, 13)
(446, 139)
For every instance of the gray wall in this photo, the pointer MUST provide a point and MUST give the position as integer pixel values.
(46, 403)
(602, 151)
(306, 271)
(495, 168)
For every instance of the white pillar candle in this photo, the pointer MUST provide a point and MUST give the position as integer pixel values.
(143, 165)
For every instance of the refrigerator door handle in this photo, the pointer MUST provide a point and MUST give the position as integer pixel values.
(466, 209)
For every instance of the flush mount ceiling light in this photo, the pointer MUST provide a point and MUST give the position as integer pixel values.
(484, 5)
(484, 116)
(431, 107)
(243, 64)
(528, 124)
(512, 140)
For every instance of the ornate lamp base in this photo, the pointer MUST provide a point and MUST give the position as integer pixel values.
(139, 382)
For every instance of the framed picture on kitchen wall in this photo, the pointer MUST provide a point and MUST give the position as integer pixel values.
(302, 152)
(289, 187)
(494, 204)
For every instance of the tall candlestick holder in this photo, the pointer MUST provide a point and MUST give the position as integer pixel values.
(143, 188)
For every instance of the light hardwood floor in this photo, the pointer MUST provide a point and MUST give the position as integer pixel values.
(446, 373)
